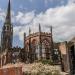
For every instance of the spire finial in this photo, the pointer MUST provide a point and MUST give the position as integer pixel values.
(29, 30)
(8, 16)
(51, 28)
(39, 27)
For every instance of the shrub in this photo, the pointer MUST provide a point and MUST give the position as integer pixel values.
(47, 62)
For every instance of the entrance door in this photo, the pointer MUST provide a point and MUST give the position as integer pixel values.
(72, 59)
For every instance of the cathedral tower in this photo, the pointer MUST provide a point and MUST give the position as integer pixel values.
(7, 31)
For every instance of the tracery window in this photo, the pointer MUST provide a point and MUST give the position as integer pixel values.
(46, 49)
(34, 48)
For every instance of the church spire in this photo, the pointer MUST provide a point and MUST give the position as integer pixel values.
(8, 16)
(7, 32)
(39, 28)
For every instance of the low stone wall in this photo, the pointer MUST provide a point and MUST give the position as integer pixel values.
(38, 69)
(11, 71)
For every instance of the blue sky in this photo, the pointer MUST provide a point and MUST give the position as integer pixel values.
(30, 12)
(29, 5)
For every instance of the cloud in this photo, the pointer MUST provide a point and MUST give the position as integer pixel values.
(25, 18)
(71, 1)
(2, 15)
(23, 21)
(2, 18)
(61, 18)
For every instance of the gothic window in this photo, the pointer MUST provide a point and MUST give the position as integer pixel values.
(46, 49)
(34, 48)
(43, 50)
(37, 48)
(37, 51)
(34, 44)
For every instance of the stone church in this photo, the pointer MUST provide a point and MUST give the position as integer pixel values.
(8, 54)
(37, 46)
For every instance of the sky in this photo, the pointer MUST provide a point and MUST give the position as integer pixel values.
(60, 14)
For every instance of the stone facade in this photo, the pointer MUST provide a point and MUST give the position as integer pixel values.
(67, 50)
(7, 53)
(63, 47)
(32, 47)
(71, 48)
(35, 44)
(7, 31)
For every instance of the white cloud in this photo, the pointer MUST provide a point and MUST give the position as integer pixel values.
(61, 18)
(2, 18)
(2, 15)
(25, 18)
(71, 1)
(20, 31)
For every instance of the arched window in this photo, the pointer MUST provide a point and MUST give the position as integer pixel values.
(34, 49)
(34, 45)
(46, 49)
